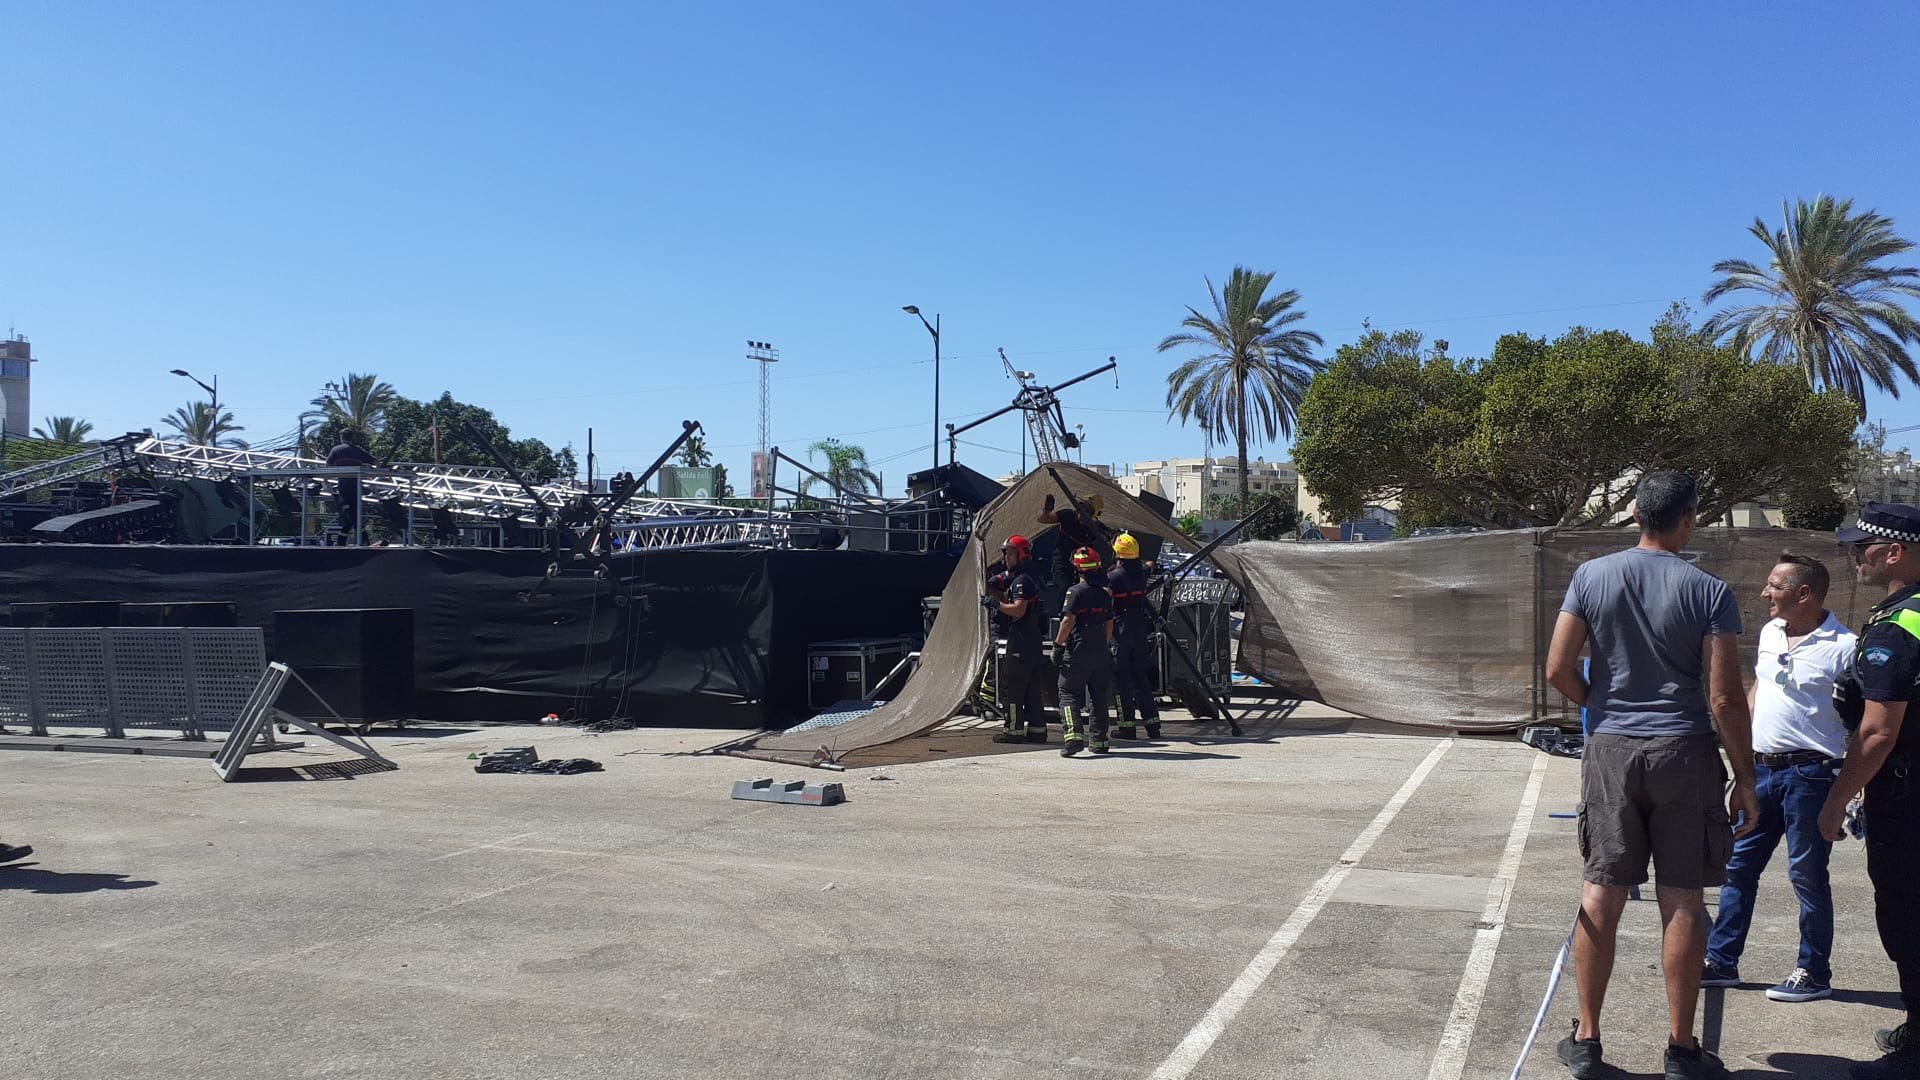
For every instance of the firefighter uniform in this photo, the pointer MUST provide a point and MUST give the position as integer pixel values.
(1086, 665)
(1017, 685)
(1133, 652)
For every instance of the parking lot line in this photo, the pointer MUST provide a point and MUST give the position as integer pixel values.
(1203, 1035)
(1451, 1059)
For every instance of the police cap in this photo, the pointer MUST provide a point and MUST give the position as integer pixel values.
(1883, 521)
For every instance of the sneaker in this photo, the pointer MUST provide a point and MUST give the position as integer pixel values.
(1891, 1039)
(1799, 986)
(1698, 1063)
(1901, 1064)
(10, 852)
(1581, 1056)
(1715, 975)
(1100, 748)
(1073, 747)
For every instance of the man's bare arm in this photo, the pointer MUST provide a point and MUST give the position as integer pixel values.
(1726, 694)
(1563, 657)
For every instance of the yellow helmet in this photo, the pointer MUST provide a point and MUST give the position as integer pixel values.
(1099, 504)
(1126, 547)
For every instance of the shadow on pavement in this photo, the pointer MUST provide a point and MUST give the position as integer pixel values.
(27, 877)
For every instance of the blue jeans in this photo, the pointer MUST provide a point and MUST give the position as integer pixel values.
(1791, 797)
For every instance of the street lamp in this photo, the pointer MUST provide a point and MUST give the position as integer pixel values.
(212, 391)
(934, 329)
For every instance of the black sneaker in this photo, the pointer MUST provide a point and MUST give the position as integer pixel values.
(1581, 1056)
(1073, 747)
(1714, 975)
(1698, 1063)
(1799, 986)
(1891, 1039)
(10, 852)
(1901, 1064)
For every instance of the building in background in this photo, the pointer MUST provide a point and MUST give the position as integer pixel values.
(1189, 482)
(16, 382)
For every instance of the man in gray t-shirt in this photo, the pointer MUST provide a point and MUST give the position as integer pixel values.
(1665, 667)
(1648, 614)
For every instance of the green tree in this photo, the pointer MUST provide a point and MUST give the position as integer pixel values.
(436, 431)
(198, 423)
(1827, 302)
(694, 453)
(1274, 525)
(1255, 369)
(66, 430)
(846, 467)
(358, 403)
(1556, 433)
(1189, 526)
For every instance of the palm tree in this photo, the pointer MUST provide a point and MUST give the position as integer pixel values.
(197, 423)
(1829, 305)
(67, 430)
(846, 467)
(1253, 364)
(694, 453)
(359, 402)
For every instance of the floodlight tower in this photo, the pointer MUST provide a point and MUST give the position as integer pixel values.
(767, 356)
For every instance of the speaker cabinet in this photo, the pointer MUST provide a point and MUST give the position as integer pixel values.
(359, 660)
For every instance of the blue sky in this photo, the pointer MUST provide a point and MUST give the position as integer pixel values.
(577, 215)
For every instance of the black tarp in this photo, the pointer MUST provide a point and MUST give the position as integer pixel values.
(687, 637)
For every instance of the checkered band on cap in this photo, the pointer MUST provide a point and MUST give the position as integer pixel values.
(1877, 529)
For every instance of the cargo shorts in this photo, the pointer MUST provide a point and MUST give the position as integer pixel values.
(1662, 797)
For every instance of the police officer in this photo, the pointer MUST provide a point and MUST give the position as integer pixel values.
(1132, 639)
(1086, 665)
(1013, 599)
(1079, 527)
(1883, 753)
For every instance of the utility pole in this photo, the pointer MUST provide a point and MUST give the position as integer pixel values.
(766, 355)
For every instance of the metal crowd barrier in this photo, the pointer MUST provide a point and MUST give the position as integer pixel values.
(192, 679)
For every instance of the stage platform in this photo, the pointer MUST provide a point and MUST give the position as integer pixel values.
(713, 638)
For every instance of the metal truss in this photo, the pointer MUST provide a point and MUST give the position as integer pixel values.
(111, 454)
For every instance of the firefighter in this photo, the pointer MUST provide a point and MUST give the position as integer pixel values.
(1086, 665)
(1132, 640)
(1079, 526)
(1013, 599)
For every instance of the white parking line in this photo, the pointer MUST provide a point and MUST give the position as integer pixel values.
(1208, 1030)
(1451, 1059)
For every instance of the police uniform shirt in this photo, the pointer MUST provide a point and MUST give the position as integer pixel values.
(1023, 634)
(1890, 661)
(1091, 606)
(1127, 581)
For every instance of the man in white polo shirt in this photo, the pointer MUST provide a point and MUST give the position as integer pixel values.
(1798, 741)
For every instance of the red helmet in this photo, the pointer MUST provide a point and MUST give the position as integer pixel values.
(1086, 559)
(1019, 543)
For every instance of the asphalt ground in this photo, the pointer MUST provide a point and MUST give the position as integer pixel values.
(1324, 898)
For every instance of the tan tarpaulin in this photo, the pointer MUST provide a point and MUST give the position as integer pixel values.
(1452, 631)
(955, 651)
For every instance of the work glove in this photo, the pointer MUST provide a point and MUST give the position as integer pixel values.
(998, 582)
(1049, 505)
(990, 603)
